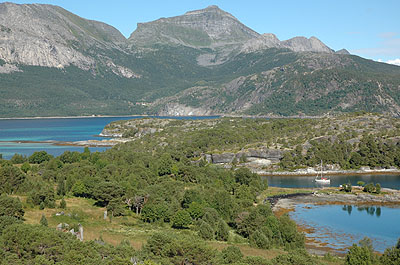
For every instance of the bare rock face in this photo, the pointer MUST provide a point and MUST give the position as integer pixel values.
(46, 35)
(297, 44)
(343, 51)
(209, 27)
(302, 44)
(265, 41)
(175, 109)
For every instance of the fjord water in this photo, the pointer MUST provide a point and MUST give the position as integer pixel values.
(339, 226)
(57, 129)
(391, 181)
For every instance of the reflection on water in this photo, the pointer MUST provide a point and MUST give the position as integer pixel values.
(371, 210)
(339, 226)
(386, 181)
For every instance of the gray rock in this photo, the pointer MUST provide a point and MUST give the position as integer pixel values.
(222, 158)
(342, 51)
(271, 154)
(302, 44)
(209, 27)
(50, 36)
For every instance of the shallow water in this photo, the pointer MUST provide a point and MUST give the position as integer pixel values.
(386, 181)
(339, 226)
(59, 129)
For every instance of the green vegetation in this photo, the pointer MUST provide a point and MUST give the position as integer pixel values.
(165, 203)
(295, 87)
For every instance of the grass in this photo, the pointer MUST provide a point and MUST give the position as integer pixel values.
(273, 191)
(131, 228)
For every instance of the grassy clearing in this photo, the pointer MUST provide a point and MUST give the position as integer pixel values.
(273, 191)
(129, 228)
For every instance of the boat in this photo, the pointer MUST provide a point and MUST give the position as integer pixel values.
(321, 179)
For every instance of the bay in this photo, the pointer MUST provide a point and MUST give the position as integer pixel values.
(340, 226)
(391, 181)
(57, 129)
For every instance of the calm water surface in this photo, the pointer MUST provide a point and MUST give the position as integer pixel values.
(386, 181)
(339, 226)
(69, 130)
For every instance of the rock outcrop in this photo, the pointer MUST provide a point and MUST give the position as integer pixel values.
(49, 36)
(209, 27)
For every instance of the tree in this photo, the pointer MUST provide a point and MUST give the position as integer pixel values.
(347, 187)
(18, 159)
(181, 219)
(370, 188)
(360, 183)
(222, 231)
(155, 212)
(196, 210)
(244, 176)
(259, 240)
(25, 167)
(116, 207)
(378, 188)
(63, 204)
(39, 157)
(11, 178)
(6, 220)
(231, 254)
(43, 221)
(107, 191)
(61, 187)
(206, 231)
(10, 206)
(359, 256)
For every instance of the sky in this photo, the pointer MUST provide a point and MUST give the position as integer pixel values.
(368, 28)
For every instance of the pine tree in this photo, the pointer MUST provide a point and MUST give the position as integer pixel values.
(63, 204)
(43, 221)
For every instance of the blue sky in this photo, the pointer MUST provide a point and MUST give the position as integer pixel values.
(368, 28)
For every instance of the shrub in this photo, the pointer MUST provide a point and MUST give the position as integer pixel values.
(63, 204)
(181, 219)
(10, 206)
(259, 240)
(231, 254)
(370, 188)
(43, 221)
(39, 157)
(359, 256)
(222, 231)
(206, 231)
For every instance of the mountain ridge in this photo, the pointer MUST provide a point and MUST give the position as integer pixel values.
(203, 62)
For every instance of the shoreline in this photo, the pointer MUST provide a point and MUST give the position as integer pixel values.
(333, 173)
(73, 117)
(109, 116)
(156, 115)
(313, 245)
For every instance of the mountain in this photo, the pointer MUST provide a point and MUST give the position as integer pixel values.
(210, 27)
(203, 62)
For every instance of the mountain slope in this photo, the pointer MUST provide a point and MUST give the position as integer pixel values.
(46, 35)
(209, 27)
(55, 63)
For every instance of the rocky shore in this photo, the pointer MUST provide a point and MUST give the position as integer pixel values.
(388, 197)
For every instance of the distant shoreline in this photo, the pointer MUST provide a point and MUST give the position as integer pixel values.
(334, 173)
(74, 117)
(155, 115)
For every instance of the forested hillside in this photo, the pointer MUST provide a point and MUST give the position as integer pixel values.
(165, 203)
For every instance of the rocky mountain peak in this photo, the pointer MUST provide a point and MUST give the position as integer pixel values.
(302, 44)
(343, 51)
(213, 9)
(209, 27)
(48, 35)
